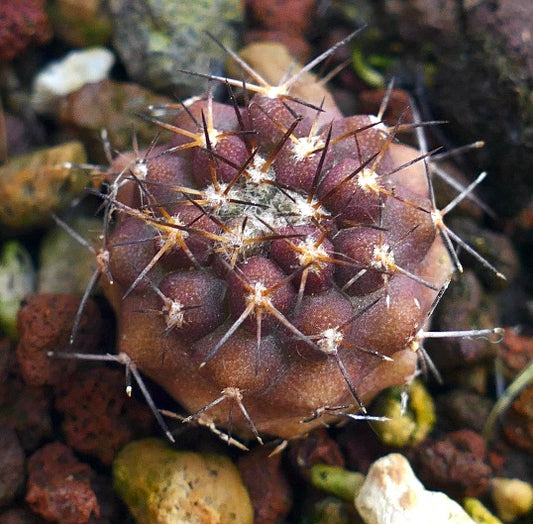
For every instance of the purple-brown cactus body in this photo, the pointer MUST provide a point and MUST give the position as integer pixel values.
(275, 260)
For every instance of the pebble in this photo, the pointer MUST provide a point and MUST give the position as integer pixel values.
(331, 510)
(80, 23)
(272, 60)
(512, 498)
(466, 304)
(454, 463)
(59, 486)
(267, 484)
(157, 38)
(67, 75)
(45, 323)
(318, 448)
(112, 106)
(391, 494)
(22, 24)
(11, 465)
(36, 183)
(98, 418)
(26, 409)
(65, 265)
(479, 512)
(162, 485)
(17, 279)
(405, 428)
(340, 482)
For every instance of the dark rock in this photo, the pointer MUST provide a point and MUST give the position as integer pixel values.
(11, 465)
(454, 464)
(267, 484)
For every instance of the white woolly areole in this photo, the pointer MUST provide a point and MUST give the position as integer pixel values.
(329, 341)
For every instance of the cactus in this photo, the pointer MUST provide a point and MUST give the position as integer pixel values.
(274, 266)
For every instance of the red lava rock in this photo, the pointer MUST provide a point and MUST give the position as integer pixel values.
(21, 24)
(267, 485)
(518, 421)
(99, 418)
(11, 465)
(45, 322)
(317, 448)
(59, 486)
(454, 464)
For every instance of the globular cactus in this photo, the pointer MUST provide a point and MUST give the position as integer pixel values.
(275, 264)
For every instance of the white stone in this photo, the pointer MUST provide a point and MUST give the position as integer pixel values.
(69, 74)
(391, 494)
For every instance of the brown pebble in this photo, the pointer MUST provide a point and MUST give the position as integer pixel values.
(317, 448)
(463, 409)
(291, 16)
(109, 105)
(295, 43)
(454, 464)
(11, 465)
(267, 485)
(59, 487)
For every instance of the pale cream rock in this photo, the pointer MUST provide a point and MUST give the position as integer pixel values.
(69, 74)
(391, 494)
(512, 498)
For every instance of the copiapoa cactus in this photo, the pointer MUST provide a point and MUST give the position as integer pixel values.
(274, 266)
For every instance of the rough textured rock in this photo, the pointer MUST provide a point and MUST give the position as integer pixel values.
(45, 324)
(69, 74)
(36, 183)
(59, 486)
(157, 38)
(98, 418)
(22, 24)
(454, 464)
